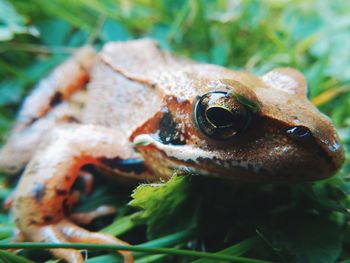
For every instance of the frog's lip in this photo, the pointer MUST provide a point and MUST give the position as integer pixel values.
(186, 158)
(211, 163)
(183, 153)
(194, 160)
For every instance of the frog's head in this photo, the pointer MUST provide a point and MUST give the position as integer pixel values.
(245, 128)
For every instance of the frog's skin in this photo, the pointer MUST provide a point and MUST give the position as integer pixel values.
(134, 110)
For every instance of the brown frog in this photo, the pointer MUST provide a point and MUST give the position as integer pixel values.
(139, 112)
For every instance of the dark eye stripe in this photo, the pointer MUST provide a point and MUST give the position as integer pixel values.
(126, 166)
(168, 131)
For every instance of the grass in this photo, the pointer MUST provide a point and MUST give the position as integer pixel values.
(198, 216)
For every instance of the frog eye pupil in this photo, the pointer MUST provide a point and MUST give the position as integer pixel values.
(219, 115)
(300, 132)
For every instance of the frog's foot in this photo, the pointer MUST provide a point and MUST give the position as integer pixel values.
(18, 236)
(52, 234)
(87, 218)
(44, 195)
(65, 231)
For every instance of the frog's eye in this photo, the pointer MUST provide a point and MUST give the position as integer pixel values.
(220, 116)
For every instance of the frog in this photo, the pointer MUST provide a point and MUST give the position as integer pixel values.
(139, 112)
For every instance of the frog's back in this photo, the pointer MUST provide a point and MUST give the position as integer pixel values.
(130, 80)
(116, 101)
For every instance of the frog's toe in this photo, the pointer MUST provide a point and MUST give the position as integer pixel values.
(88, 217)
(53, 234)
(75, 233)
(18, 236)
(65, 231)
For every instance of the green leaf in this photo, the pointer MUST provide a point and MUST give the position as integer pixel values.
(164, 204)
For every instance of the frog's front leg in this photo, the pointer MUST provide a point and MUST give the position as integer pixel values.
(44, 191)
(65, 80)
(46, 106)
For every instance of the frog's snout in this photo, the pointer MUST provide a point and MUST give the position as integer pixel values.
(334, 150)
(326, 138)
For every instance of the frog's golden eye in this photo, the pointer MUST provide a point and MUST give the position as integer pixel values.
(220, 116)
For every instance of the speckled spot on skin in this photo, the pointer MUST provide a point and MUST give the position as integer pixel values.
(65, 206)
(39, 191)
(47, 218)
(169, 131)
(56, 99)
(127, 166)
(32, 121)
(33, 222)
(60, 192)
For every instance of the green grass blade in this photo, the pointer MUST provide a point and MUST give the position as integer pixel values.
(6, 256)
(120, 226)
(169, 251)
(236, 249)
(6, 232)
(152, 258)
(168, 240)
(105, 258)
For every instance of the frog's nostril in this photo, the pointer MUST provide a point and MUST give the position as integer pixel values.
(332, 144)
(299, 132)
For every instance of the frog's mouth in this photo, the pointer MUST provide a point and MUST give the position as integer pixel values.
(183, 153)
(273, 168)
(187, 158)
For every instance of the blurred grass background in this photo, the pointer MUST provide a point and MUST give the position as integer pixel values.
(299, 223)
